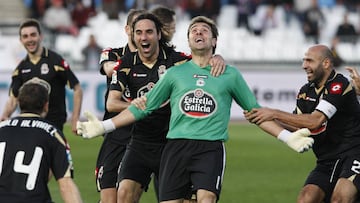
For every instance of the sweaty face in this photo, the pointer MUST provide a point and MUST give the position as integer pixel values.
(200, 37)
(313, 66)
(146, 39)
(31, 39)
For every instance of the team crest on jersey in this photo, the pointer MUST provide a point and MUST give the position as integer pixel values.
(126, 94)
(198, 104)
(335, 88)
(44, 69)
(114, 77)
(161, 70)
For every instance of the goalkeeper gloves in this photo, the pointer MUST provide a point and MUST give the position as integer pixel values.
(93, 127)
(298, 140)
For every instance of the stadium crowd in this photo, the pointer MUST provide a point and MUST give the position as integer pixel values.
(259, 18)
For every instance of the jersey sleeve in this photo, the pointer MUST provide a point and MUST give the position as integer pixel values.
(334, 96)
(16, 82)
(241, 92)
(108, 54)
(119, 78)
(61, 164)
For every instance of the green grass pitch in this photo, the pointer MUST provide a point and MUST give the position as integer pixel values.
(259, 168)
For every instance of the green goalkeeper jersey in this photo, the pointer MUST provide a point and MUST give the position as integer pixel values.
(200, 103)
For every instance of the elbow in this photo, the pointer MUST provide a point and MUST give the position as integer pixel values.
(110, 106)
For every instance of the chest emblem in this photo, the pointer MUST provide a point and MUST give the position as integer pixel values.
(44, 69)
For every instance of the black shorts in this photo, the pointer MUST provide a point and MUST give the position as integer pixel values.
(351, 168)
(110, 155)
(140, 162)
(191, 165)
(325, 176)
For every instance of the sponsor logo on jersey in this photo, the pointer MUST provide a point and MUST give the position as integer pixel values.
(26, 70)
(44, 69)
(139, 75)
(335, 88)
(198, 104)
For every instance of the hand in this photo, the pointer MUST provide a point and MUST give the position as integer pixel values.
(298, 140)
(355, 78)
(259, 115)
(91, 128)
(218, 65)
(140, 102)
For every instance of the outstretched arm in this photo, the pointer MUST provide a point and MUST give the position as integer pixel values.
(260, 115)
(78, 95)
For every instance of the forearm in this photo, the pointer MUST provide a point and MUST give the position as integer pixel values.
(271, 127)
(69, 191)
(125, 118)
(9, 108)
(310, 121)
(78, 95)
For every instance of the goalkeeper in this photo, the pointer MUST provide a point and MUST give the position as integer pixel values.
(200, 113)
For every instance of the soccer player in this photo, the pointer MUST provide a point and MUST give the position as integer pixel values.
(47, 65)
(114, 144)
(31, 148)
(200, 111)
(153, 57)
(328, 106)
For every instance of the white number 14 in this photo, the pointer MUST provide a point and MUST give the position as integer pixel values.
(32, 169)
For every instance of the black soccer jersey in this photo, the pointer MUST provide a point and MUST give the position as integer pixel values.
(54, 69)
(29, 147)
(140, 78)
(340, 135)
(113, 54)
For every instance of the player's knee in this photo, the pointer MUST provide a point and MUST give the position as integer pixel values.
(204, 196)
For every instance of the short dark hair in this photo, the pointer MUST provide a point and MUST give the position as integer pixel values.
(32, 98)
(164, 14)
(30, 23)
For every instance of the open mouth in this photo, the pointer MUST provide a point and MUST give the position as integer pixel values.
(145, 45)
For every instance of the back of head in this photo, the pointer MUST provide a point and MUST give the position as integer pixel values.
(33, 96)
(167, 17)
(132, 14)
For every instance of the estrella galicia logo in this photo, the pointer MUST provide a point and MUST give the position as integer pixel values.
(198, 104)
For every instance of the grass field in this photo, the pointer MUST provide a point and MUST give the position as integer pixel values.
(260, 169)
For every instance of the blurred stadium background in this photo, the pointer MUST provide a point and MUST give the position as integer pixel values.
(270, 62)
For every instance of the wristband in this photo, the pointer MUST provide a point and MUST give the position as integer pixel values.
(284, 135)
(108, 125)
